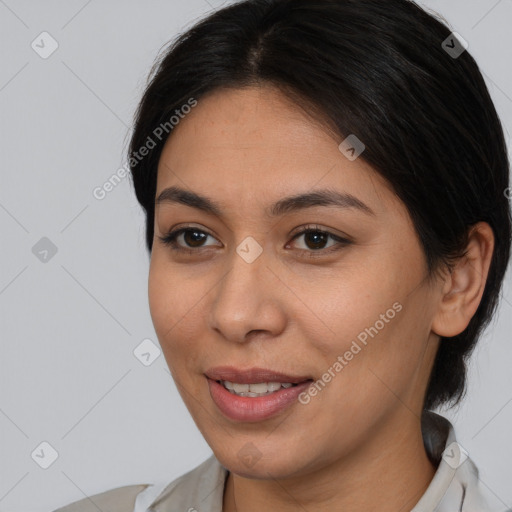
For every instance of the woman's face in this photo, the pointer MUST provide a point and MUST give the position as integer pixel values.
(349, 309)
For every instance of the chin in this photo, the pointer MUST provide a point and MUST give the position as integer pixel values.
(263, 469)
(265, 462)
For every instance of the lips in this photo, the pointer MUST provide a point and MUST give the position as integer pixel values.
(253, 375)
(249, 408)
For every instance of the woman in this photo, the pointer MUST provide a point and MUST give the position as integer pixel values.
(324, 185)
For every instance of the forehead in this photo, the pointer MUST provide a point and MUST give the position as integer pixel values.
(257, 117)
(255, 142)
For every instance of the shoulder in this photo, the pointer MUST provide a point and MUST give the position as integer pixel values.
(456, 484)
(121, 499)
(202, 488)
(202, 485)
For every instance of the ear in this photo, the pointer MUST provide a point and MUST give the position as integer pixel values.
(464, 285)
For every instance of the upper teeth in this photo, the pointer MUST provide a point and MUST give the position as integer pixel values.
(253, 390)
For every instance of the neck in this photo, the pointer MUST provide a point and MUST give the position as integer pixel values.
(390, 472)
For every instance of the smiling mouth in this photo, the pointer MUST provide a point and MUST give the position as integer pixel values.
(255, 394)
(255, 390)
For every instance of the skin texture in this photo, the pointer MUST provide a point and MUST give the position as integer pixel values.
(357, 444)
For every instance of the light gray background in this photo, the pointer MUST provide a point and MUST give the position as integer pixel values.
(69, 326)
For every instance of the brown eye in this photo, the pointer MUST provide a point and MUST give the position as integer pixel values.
(315, 241)
(193, 238)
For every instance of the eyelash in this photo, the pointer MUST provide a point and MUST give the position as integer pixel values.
(170, 240)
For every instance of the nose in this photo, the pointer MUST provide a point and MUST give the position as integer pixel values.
(248, 300)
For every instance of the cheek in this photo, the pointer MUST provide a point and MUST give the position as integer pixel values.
(161, 297)
(167, 304)
(382, 359)
(379, 324)
(175, 305)
(354, 306)
(170, 299)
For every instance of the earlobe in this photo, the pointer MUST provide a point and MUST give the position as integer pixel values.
(464, 285)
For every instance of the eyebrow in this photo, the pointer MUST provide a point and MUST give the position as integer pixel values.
(323, 197)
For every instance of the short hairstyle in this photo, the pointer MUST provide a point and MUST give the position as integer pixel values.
(378, 70)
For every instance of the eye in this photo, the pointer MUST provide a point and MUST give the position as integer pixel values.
(194, 237)
(315, 240)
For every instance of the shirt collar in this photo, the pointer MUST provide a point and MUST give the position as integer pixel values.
(454, 488)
